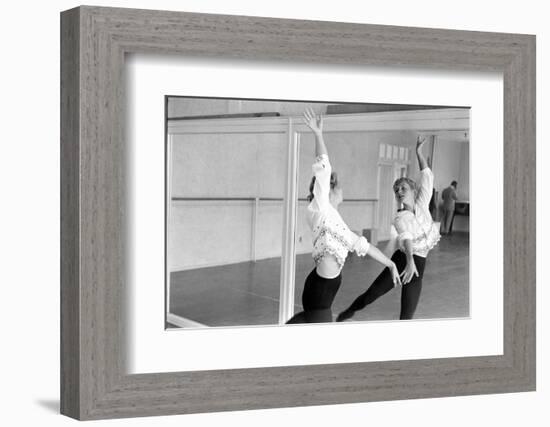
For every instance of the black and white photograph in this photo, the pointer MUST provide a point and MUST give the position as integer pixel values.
(259, 213)
(284, 212)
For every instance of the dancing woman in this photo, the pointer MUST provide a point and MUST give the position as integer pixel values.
(416, 236)
(332, 238)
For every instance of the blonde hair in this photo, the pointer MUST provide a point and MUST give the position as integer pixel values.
(409, 181)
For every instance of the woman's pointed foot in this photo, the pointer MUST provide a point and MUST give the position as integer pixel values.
(345, 315)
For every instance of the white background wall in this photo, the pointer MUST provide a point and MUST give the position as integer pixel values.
(29, 170)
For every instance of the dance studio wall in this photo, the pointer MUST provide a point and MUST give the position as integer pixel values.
(464, 172)
(181, 107)
(451, 162)
(246, 166)
(239, 167)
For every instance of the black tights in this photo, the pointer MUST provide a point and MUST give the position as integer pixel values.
(317, 299)
(410, 293)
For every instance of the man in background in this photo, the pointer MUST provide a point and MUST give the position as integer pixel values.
(449, 197)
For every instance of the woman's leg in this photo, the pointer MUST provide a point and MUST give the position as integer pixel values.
(410, 293)
(381, 285)
(318, 316)
(298, 318)
(317, 299)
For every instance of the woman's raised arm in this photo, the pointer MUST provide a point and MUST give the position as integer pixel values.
(315, 123)
(422, 163)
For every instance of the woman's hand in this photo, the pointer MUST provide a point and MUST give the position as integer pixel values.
(409, 271)
(314, 122)
(394, 274)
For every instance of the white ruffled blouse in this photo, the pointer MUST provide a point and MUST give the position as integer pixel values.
(418, 226)
(331, 235)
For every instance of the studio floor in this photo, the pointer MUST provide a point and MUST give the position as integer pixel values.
(248, 293)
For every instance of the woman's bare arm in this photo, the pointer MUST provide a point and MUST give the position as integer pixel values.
(379, 256)
(422, 163)
(315, 123)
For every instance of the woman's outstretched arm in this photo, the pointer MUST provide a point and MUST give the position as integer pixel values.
(377, 255)
(321, 168)
(315, 123)
(422, 163)
(426, 184)
(410, 269)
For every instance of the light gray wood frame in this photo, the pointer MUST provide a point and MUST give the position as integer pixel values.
(94, 41)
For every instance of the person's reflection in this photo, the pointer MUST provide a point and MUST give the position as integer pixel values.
(332, 238)
(449, 198)
(417, 235)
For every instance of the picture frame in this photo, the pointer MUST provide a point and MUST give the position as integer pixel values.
(94, 268)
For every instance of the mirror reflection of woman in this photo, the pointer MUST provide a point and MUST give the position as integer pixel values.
(332, 238)
(417, 234)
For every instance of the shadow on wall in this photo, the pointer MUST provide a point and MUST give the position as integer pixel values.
(51, 405)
